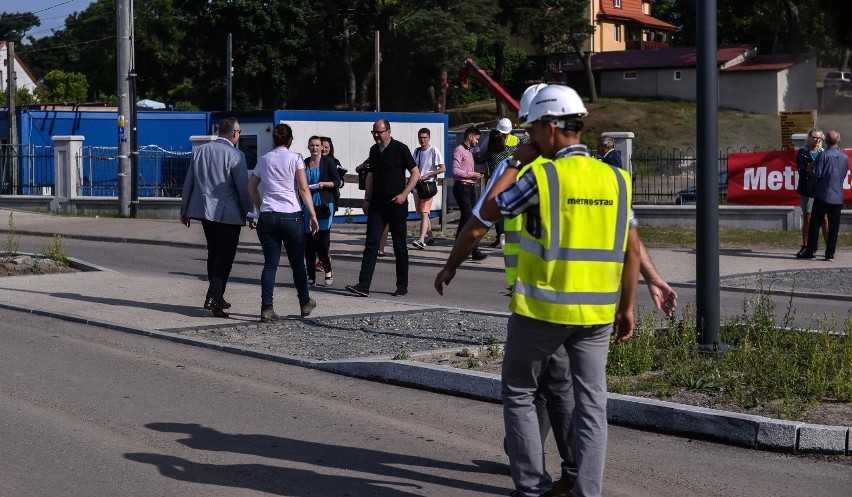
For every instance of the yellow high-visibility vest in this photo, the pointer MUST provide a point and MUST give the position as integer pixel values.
(512, 231)
(511, 140)
(570, 272)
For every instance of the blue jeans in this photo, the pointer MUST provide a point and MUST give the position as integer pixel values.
(273, 229)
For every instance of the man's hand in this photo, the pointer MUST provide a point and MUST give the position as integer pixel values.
(664, 297)
(185, 221)
(623, 326)
(314, 224)
(527, 153)
(445, 276)
(400, 199)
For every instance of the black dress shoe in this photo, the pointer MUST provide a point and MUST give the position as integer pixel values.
(222, 304)
(806, 255)
(216, 308)
(400, 292)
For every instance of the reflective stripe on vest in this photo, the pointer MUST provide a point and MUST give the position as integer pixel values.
(571, 285)
(512, 229)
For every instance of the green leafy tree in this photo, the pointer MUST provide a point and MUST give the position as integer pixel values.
(61, 86)
(560, 26)
(14, 25)
(23, 96)
(457, 24)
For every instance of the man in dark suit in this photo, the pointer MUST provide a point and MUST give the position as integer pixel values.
(827, 175)
(608, 153)
(216, 193)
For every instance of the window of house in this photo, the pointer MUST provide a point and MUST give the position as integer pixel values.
(678, 75)
(618, 32)
(630, 75)
(616, 4)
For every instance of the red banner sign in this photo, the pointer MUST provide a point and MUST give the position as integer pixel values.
(769, 178)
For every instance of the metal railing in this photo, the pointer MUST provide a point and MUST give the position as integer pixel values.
(667, 175)
(160, 172)
(26, 170)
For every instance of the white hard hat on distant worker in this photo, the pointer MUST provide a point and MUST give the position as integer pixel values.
(555, 102)
(504, 126)
(526, 100)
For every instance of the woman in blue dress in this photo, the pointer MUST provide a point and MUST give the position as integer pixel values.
(323, 179)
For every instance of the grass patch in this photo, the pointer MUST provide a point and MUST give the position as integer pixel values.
(780, 370)
(663, 123)
(684, 237)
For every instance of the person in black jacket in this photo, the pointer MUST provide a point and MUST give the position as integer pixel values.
(323, 180)
(805, 157)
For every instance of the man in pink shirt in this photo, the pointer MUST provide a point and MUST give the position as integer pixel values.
(464, 182)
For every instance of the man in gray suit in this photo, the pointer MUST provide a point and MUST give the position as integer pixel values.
(216, 193)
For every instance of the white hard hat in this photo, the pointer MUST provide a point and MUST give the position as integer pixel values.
(504, 126)
(526, 99)
(555, 101)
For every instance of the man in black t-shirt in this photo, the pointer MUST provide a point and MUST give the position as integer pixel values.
(386, 202)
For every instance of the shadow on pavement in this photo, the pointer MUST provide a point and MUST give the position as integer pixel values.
(291, 481)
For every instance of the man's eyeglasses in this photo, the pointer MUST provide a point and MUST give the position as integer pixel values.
(238, 131)
(377, 133)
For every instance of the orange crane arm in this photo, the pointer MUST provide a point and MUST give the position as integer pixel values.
(471, 68)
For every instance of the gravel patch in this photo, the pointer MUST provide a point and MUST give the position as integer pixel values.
(818, 281)
(350, 337)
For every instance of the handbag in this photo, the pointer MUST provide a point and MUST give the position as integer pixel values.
(426, 189)
(322, 211)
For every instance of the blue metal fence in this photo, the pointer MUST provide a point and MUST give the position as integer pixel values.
(160, 172)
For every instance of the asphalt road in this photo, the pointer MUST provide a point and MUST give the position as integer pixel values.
(90, 412)
(472, 289)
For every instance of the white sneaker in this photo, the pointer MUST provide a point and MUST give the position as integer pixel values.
(502, 240)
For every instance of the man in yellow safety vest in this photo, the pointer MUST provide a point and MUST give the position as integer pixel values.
(577, 249)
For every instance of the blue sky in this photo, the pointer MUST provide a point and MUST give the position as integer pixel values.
(51, 12)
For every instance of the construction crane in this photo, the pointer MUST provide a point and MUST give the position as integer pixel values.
(471, 68)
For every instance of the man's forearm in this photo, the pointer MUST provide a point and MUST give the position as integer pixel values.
(466, 242)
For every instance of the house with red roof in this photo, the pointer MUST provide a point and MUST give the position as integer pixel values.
(23, 77)
(764, 84)
(627, 25)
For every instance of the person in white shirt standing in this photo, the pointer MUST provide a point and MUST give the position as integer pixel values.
(431, 164)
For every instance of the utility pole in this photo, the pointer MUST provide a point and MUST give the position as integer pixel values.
(123, 23)
(134, 146)
(378, 75)
(229, 72)
(708, 314)
(11, 86)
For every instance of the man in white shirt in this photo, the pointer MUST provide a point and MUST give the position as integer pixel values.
(431, 164)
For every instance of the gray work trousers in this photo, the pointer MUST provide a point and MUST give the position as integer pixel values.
(530, 343)
(554, 401)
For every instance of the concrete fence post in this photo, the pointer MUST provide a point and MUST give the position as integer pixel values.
(624, 144)
(68, 171)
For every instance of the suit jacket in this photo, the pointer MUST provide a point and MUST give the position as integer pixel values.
(216, 185)
(827, 177)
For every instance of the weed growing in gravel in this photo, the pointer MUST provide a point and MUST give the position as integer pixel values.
(13, 240)
(37, 269)
(401, 356)
(56, 251)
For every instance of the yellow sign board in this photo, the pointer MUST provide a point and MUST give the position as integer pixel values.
(795, 121)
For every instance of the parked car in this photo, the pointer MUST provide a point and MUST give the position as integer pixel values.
(688, 196)
(838, 79)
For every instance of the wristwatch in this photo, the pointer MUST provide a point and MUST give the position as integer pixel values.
(513, 163)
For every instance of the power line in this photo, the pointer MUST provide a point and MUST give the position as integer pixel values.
(68, 45)
(42, 10)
